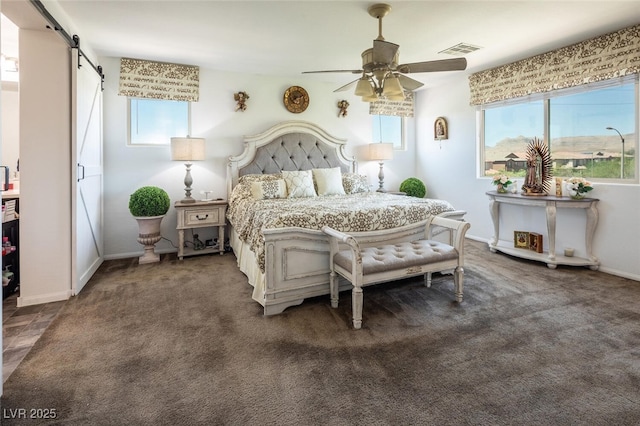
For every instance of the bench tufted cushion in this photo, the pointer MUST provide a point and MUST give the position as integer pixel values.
(398, 256)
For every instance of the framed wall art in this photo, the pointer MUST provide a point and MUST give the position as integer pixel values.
(440, 129)
(521, 239)
(535, 242)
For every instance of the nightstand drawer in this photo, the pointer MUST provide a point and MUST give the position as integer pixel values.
(202, 216)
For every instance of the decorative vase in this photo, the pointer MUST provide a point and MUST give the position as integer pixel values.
(148, 236)
(577, 195)
(502, 189)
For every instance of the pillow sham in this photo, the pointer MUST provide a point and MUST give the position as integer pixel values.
(328, 181)
(243, 188)
(354, 183)
(299, 183)
(268, 189)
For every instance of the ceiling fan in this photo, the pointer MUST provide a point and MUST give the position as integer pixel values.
(382, 76)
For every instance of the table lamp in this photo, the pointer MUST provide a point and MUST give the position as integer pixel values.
(187, 149)
(380, 152)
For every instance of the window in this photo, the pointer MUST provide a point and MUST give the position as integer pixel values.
(389, 128)
(580, 126)
(155, 122)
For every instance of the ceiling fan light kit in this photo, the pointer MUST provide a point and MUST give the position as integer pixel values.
(364, 87)
(371, 98)
(382, 77)
(392, 87)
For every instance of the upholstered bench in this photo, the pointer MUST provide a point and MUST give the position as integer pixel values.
(365, 258)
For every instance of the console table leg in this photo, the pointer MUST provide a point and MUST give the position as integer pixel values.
(494, 209)
(592, 222)
(551, 229)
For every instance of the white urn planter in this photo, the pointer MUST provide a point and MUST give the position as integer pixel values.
(148, 236)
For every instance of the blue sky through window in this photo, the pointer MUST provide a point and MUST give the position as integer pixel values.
(155, 122)
(581, 114)
(387, 128)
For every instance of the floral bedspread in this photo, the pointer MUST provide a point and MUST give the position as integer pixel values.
(366, 211)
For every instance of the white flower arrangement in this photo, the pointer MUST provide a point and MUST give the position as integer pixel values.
(501, 180)
(578, 186)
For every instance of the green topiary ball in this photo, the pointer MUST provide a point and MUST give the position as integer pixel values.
(149, 201)
(413, 187)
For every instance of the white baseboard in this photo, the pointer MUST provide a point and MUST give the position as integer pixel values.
(43, 298)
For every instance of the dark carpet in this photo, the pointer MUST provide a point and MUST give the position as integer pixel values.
(183, 343)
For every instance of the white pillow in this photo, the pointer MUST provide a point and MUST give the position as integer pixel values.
(263, 190)
(299, 183)
(329, 181)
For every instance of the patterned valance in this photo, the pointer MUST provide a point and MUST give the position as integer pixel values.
(398, 108)
(159, 80)
(612, 55)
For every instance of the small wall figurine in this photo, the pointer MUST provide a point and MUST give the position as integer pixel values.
(343, 105)
(440, 130)
(241, 99)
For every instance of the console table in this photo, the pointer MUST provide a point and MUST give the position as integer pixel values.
(551, 204)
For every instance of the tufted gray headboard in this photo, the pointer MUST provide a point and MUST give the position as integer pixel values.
(290, 145)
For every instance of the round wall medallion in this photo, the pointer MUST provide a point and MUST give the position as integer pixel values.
(296, 99)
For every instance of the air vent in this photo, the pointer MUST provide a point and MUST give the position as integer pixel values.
(460, 49)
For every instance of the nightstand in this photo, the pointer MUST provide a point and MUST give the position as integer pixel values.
(201, 214)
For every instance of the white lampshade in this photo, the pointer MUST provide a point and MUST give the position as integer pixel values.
(381, 151)
(187, 149)
(364, 88)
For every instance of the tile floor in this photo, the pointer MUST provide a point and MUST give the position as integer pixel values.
(21, 328)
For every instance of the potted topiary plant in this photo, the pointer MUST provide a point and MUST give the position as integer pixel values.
(413, 187)
(149, 205)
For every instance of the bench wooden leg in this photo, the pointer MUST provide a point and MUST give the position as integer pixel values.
(356, 302)
(333, 287)
(458, 277)
(427, 279)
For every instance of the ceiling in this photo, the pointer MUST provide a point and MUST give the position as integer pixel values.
(285, 38)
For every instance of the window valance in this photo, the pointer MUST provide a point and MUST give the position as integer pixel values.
(159, 80)
(398, 108)
(612, 55)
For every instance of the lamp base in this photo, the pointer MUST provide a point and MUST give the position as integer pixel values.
(188, 180)
(381, 179)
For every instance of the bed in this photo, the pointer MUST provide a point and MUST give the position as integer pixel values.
(277, 239)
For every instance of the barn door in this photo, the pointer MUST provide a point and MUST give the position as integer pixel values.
(87, 210)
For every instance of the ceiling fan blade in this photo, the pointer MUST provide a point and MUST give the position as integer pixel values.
(349, 71)
(457, 64)
(409, 83)
(384, 52)
(346, 86)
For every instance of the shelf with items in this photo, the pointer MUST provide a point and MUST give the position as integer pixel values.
(551, 204)
(508, 248)
(10, 257)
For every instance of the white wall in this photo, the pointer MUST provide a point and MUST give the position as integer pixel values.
(450, 172)
(214, 118)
